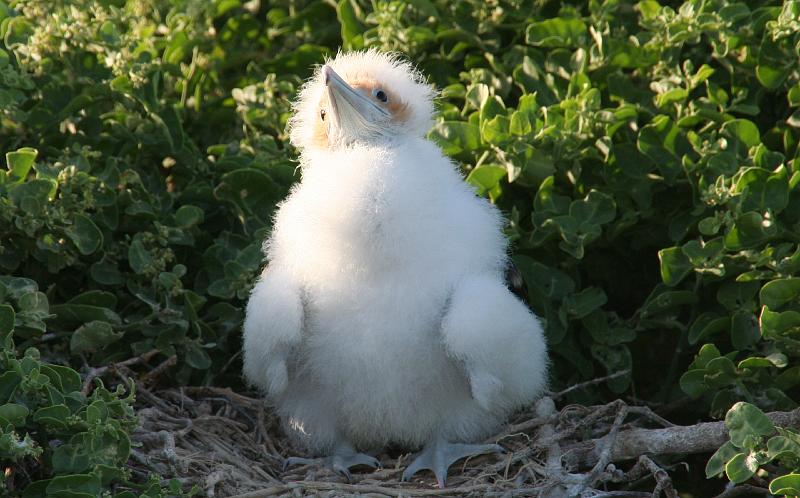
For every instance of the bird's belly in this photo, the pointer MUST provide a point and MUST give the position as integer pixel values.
(377, 356)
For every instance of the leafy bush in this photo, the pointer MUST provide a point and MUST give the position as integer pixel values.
(749, 449)
(59, 441)
(646, 156)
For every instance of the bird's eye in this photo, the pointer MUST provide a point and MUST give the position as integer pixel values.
(322, 114)
(380, 95)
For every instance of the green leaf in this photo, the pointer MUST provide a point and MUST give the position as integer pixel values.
(491, 107)
(75, 483)
(788, 379)
(550, 282)
(716, 464)
(595, 209)
(671, 96)
(773, 66)
(251, 190)
(548, 202)
(496, 130)
(93, 336)
(779, 292)
(65, 378)
(82, 313)
(787, 485)
(664, 143)
(188, 216)
(741, 467)
(347, 13)
(196, 356)
(774, 360)
(6, 320)
(178, 48)
(720, 372)
(222, 288)
(762, 190)
(486, 177)
(585, 301)
(39, 190)
(139, 258)
(703, 73)
(34, 302)
(85, 234)
(14, 413)
(105, 273)
(20, 162)
(744, 329)
(55, 415)
(693, 383)
(738, 295)
(707, 353)
(774, 325)
(520, 124)
(782, 446)
(455, 137)
(743, 131)
(745, 422)
(557, 32)
(69, 458)
(102, 299)
(661, 301)
(707, 324)
(674, 265)
(751, 229)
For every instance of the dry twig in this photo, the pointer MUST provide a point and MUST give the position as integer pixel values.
(228, 444)
(93, 372)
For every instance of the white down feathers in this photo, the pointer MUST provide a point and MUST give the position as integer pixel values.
(383, 315)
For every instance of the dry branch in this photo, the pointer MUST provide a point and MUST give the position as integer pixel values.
(704, 437)
(94, 373)
(229, 444)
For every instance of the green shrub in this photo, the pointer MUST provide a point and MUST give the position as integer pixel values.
(141, 237)
(58, 441)
(755, 442)
(646, 155)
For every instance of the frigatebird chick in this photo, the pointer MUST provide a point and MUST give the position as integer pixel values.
(383, 316)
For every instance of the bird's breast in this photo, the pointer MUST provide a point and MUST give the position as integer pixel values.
(362, 329)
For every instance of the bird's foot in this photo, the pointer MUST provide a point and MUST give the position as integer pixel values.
(340, 461)
(440, 455)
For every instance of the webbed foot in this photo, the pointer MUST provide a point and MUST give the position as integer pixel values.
(440, 455)
(343, 457)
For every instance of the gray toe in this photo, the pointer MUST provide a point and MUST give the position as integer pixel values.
(439, 456)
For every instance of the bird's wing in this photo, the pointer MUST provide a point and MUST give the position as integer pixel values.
(497, 339)
(272, 329)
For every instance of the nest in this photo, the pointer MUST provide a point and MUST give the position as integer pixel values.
(229, 444)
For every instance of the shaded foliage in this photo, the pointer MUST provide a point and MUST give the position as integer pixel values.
(645, 154)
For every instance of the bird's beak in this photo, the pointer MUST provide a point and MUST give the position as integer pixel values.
(353, 114)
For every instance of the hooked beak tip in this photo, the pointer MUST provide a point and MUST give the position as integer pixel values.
(326, 74)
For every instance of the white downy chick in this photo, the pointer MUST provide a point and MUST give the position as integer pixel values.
(383, 316)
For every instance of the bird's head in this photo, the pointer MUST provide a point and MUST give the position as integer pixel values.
(367, 97)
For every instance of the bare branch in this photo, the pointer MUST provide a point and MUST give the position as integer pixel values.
(588, 383)
(743, 490)
(704, 437)
(99, 371)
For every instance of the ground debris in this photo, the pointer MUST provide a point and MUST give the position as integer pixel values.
(229, 444)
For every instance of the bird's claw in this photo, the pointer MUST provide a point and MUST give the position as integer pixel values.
(291, 461)
(339, 462)
(439, 456)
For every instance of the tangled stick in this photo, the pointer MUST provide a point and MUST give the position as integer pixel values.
(229, 444)
(94, 373)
